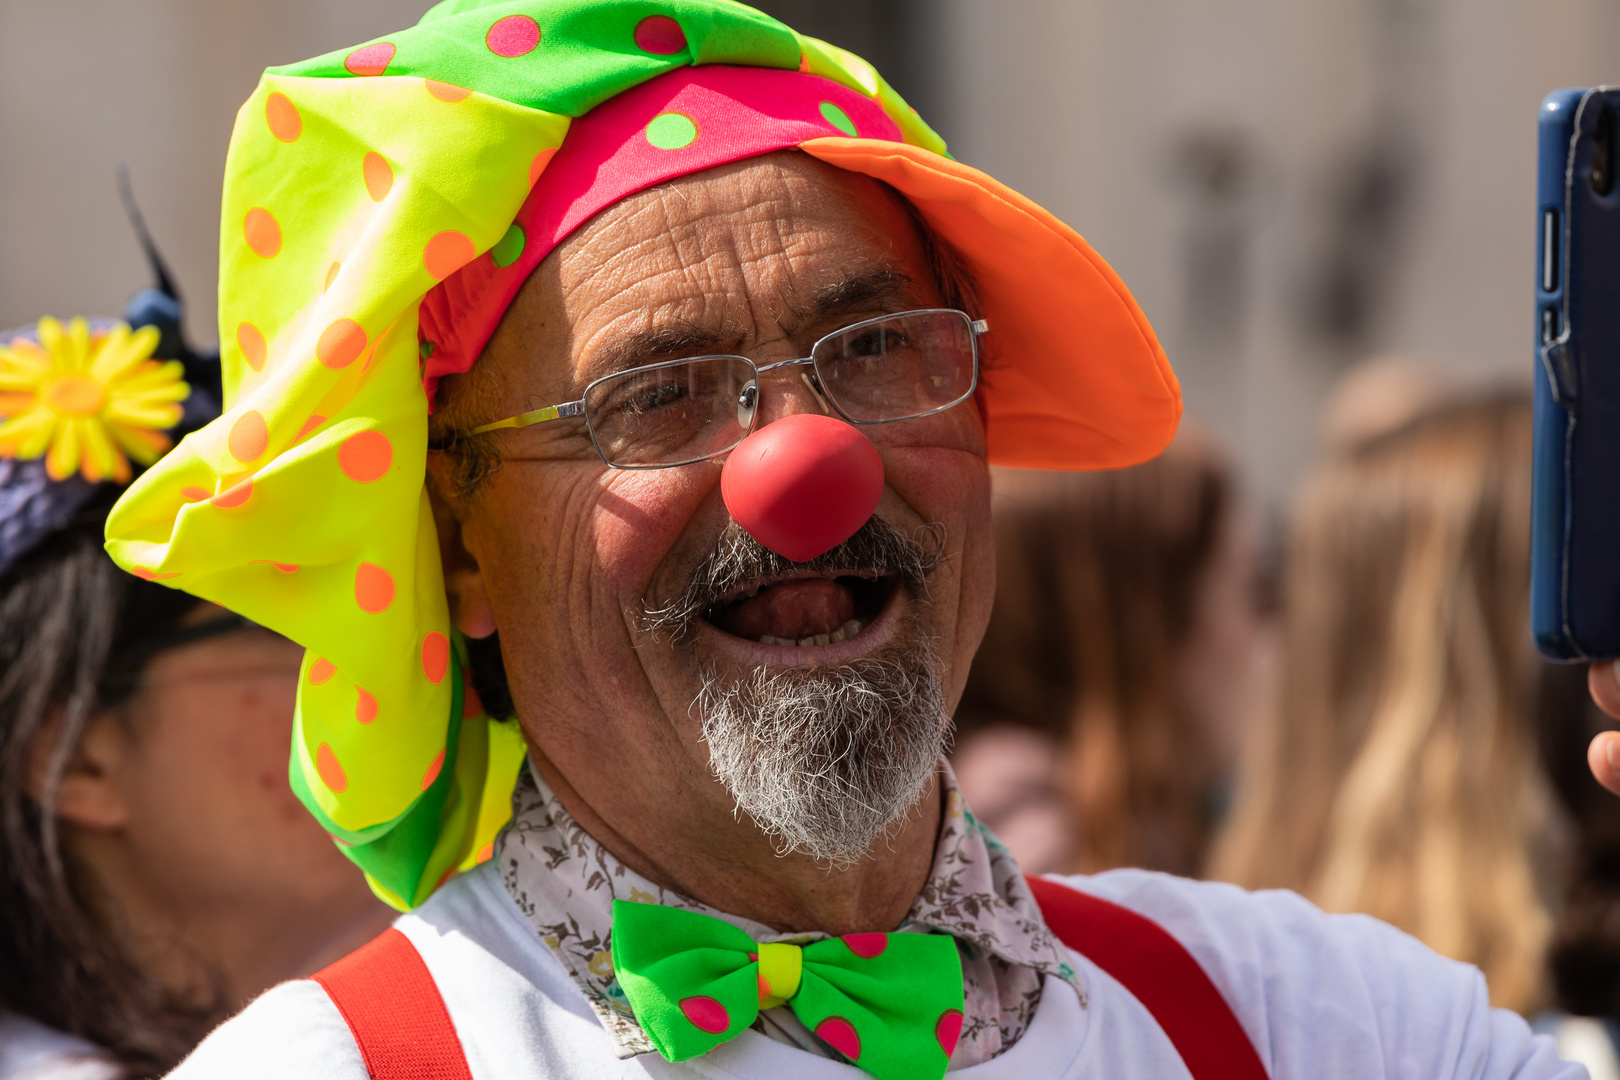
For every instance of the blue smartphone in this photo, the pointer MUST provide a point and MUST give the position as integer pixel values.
(1575, 516)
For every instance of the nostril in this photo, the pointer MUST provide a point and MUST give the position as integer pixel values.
(803, 485)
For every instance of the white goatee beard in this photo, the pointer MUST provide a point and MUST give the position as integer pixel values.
(827, 761)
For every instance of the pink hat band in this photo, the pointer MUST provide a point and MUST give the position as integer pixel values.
(682, 122)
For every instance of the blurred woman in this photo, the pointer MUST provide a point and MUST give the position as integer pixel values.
(156, 872)
(1396, 773)
(1103, 712)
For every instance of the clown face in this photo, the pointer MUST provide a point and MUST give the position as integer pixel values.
(646, 637)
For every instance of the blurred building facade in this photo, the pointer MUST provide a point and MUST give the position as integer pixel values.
(1287, 187)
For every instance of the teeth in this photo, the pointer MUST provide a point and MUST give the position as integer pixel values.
(843, 633)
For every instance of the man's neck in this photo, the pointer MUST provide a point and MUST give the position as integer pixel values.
(731, 865)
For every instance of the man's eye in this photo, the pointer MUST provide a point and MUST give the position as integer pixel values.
(654, 396)
(876, 342)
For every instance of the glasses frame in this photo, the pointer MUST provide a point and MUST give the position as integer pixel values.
(576, 409)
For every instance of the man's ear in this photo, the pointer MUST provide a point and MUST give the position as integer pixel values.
(470, 609)
(88, 794)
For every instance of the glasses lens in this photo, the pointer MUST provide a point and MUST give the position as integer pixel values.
(669, 414)
(899, 367)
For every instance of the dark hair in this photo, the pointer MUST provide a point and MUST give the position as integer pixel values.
(74, 633)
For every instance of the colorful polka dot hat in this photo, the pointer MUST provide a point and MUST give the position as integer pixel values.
(382, 207)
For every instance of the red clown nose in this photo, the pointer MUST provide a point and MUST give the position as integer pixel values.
(803, 485)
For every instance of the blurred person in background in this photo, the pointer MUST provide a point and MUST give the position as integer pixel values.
(1104, 711)
(1396, 773)
(156, 872)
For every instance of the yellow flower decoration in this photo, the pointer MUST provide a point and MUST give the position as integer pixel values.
(84, 399)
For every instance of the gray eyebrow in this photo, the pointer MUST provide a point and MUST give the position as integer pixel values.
(887, 286)
(668, 342)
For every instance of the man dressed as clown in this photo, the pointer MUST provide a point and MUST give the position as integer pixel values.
(611, 391)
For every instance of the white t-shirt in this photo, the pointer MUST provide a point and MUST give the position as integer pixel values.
(1320, 997)
(31, 1051)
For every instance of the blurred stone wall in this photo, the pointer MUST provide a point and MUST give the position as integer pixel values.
(85, 84)
(1287, 187)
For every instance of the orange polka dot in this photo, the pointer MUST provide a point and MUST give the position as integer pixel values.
(251, 342)
(433, 769)
(234, 496)
(449, 872)
(282, 116)
(538, 165)
(373, 588)
(365, 706)
(309, 425)
(446, 253)
(195, 494)
(146, 573)
(365, 456)
(340, 842)
(284, 567)
(262, 232)
(379, 176)
(486, 852)
(435, 657)
(446, 92)
(331, 275)
(321, 670)
(249, 437)
(331, 772)
(341, 344)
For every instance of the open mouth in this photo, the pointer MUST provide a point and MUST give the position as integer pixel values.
(821, 609)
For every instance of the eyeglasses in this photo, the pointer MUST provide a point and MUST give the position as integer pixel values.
(878, 371)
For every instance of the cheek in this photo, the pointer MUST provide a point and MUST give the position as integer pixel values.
(212, 773)
(579, 545)
(952, 487)
(639, 517)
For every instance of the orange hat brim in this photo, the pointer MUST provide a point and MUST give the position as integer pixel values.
(1074, 377)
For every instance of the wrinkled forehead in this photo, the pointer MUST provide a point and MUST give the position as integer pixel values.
(773, 230)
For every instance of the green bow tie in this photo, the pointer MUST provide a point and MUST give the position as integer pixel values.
(891, 1003)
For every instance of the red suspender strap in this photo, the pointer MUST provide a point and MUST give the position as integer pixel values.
(393, 1007)
(1160, 973)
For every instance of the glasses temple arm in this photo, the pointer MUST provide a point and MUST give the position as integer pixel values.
(536, 416)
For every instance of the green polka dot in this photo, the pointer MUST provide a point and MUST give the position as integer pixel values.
(425, 350)
(509, 247)
(671, 131)
(838, 118)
